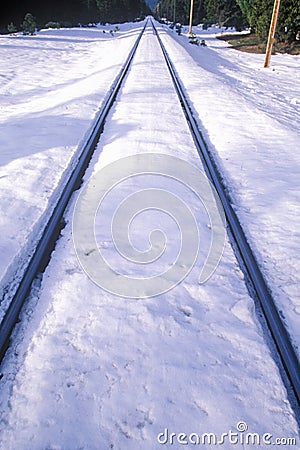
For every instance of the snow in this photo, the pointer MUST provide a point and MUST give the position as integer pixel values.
(89, 369)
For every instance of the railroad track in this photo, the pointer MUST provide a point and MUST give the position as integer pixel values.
(249, 264)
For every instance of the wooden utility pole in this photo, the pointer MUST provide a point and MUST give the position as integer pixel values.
(191, 18)
(174, 10)
(272, 32)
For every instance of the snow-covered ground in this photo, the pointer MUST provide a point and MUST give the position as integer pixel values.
(92, 370)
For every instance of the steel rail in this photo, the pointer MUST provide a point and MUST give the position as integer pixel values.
(71, 184)
(276, 327)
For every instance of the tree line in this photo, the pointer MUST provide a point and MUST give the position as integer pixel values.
(71, 12)
(238, 13)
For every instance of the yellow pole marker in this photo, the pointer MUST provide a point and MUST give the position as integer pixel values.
(272, 33)
(191, 18)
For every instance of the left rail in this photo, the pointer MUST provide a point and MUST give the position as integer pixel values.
(50, 233)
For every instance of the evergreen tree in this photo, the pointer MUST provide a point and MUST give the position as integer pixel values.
(223, 12)
(259, 14)
(11, 28)
(165, 8)
(288, 20)
(121, 10)
(29, 24)
(245, 6)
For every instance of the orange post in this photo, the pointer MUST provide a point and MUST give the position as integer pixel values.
(272, 33)
(191, 17)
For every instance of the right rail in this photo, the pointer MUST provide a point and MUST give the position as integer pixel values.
(276, 327)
